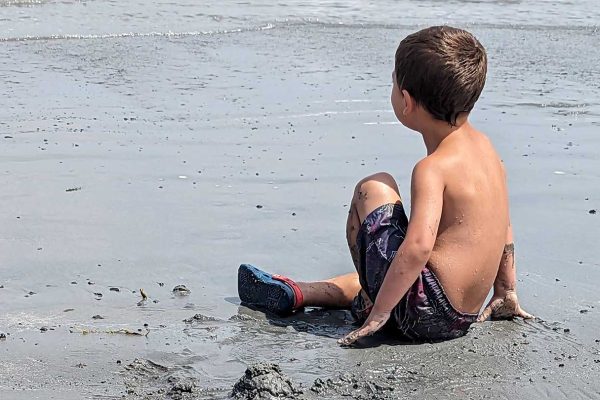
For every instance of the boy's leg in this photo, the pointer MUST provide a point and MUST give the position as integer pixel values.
(281, 295)
(370, 193)
(339, 292)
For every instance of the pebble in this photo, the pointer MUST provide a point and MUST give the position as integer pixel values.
(97, 316)
(181, 290)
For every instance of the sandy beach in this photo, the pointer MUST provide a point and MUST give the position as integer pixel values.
(147, 147)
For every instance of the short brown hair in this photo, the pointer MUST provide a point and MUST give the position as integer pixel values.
(443, 69)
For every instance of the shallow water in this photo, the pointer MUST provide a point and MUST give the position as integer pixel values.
(43, 19)
(172, 135)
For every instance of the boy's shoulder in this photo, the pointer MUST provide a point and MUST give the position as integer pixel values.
(426, 167)
(460, 154)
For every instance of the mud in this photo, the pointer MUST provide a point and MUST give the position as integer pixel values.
(264, 382)
(515, 359)
(200, 318)
(149, 380)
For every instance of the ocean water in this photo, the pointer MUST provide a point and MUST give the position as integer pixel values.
(21, 19)
(567, 30)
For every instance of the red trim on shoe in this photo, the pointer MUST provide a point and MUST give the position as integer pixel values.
(298, 296)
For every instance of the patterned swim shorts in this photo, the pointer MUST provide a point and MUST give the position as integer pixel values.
(424, 313)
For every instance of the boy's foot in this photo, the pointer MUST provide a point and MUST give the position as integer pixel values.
(275, 293)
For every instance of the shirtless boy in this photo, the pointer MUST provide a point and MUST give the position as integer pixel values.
(429, 276)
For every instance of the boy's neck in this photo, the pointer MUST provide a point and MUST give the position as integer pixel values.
(436, 131)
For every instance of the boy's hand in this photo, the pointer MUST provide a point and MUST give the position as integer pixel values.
(504, 307)
(374, 322)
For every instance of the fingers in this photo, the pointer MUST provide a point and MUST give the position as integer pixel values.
(375, 322)
(503, 309)
(524, 314)
(353, 337)
(491, 308)
(366, 330)
(485, 314)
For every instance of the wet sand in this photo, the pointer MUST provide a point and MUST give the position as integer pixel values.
(139, 162)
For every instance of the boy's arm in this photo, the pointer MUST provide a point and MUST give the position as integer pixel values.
(506, 278)
(427, 188)
(504, 303)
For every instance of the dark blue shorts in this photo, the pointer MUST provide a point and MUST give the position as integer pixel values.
(424, 313)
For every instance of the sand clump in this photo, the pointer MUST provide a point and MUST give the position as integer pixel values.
(181, 388)
(149, 380)
(264, 381)
(200, 318)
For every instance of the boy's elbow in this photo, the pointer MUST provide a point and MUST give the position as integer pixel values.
(418, 251)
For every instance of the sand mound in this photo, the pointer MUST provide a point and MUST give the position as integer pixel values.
(264, 381)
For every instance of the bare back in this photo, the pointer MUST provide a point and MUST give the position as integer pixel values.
(474, 221)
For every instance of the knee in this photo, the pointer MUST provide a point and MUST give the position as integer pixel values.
(379, 183)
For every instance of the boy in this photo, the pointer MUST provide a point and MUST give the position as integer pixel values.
(428, 276)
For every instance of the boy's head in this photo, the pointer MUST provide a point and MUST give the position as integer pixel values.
(443, 70)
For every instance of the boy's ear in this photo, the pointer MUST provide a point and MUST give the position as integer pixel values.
(409, 102)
